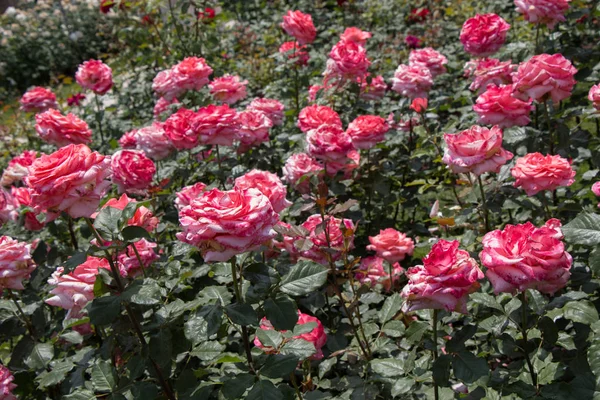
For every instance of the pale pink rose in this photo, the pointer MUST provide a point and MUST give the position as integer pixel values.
(300, 26)
(391, 245)
(216, 125)
(142, 216)
(313, 90)
(316, 336)
(547, 12)
(18, 168)
(228, 89)
(254, 128)
(272, 108)
(153, 140)
(312, 117)
(179, 129)
(444, 281)
(333, 77)
(165, 85)
(22, 198)
(341, 238)
(295, 51)
(594, 96)
(346, 165)
(477, 150)
(356, 35)
(428, 58)
(596, 188)
(8, 207)
(522, 257)
(162, 106)
(297, 171)
(490, 71)
(61, 130)
(483, 35)
(129, 140)
(374, 90)
(224, 224)
(372, 272)
(129, 259)
(16, 263)
(268, 184)
(406, 124)
(190, 74)
(412, 81)
(497, 106)
(329, 143)
(189, 193)
(73, 179)
(94, 75)
(535, 172)
(132, 171)
(367, 130)
(545, 76)
(38, 99)
(6, 385)
(350, 59)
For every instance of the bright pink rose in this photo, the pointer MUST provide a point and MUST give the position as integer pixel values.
(312, 117)
(216, 124)
(483, 35)
(22, 197)
(522, 257)
(228, 89)
(535, 172)
(223, 224)
(272, 108)
(189, 193)
(547, 12)
(391, 245)
(300, 26)
(162, 106)
(367, 130)
(372, 271)
(268, 184)
(355, 35)
(490, 71)
(129, 259)
(545, 76)
(412, 81)
(346, 165)
(190, 74)
(295, 51)
(297, 169)
(132, 171)
(374, 90)
(179, 129)
(428, 58)
(477, 150)
(596, 188)
(341, 238)
(497, 106)
(73, 179)
(594, 96)
(129, 140)
(61, 130)
(16, 263)
(444, 281)
(18, 168)
(329, 143)
(254, 128)
(350, 59)
(38, 99)
(94, 75)
(153, 140)
(142, 217)
(412, 42)
(8, 207)
(6, 385)
(316, 336)
(419, 105)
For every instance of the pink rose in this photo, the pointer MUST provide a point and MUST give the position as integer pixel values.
(329, 143)
(406, 124)
(444, 281)
(594, 96)
(341, 238)
(228, 89)
(477, 150)
(374, 90)
(268, 184)
(490, 71)
(73, 179)
(350, 59)
(132, 170)
(254, 128)
(391, 245)
(165, 85)
(522, 257)
(22, 197)
(142, 217)
(355, 35)
(313, 90)
(224, 224)
(190, 74)
(483, 35)
(297, 169)
(545, 76)
(419, 105)
(497, 106)
(412, 81)
(189, 193)
(129, 140)
(316, 336)
(18, 168)
(94, 75)
(163, 105)
(272, 108)
(367, 130)
(347, 165)
(430, 59)
(61, 130)
(535, 172)
(38, 99)
(16, 263)
(8, 207)
(312, 117)
(412, 42)
(179, 129)
(153, 140)
(6, 385)
(216, 125)
(596, 188)
(372, 271)
(129, 259)
(300, 26)
(547, 12)
(295, 51)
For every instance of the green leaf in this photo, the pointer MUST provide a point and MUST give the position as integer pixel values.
(401, 386)
(264, 390)
(213, 315)
(468, 367)
(486, 300)
(161, 347)
(415, 331)
(235, 388)
(104, 377)
(593, 356)
(581, 311)
(74, 261)
(80, 394)
(299, 347)
(107, 222)
(105, 310)
(57, 374)
(208, 351)
(584, 229)
(146, 292)
(241, 314)
(304, 328)
(460, 337)
(279, 365)
(391, 307)
(441, 370)
(260, 274)
(133, 233)
(594, 261)
(282, 312)
(388, 367)
(41, 355)
(304, 277)
(269, 338)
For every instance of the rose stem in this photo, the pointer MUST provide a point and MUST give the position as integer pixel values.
(524, 332)
(238, 297)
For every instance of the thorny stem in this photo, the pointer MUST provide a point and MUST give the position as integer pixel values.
(22, 315)
(238, 297)
(486, 218)
(435, 351)
(524, 332)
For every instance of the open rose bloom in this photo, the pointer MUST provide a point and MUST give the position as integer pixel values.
(153, 141)
(329, 144)
(38, 99)
(412, 81)
(94, 75)
(132, 171)
(489, 71)
(535, 172)
(300, 26)
(341, 238)
(254, 127)
(428, 58)
(497, 106)
(355, 35)
(373, 271)
(522, 257)
(18, 168)
(61, 130)
(312, 117)
(545, 76)
(269, 184)
(444, 281)
(190, 74)
(228, 89)
(350, 60)
(180, 130)
(547, 12)
(272, 108)
(391, 245)
(367, 130)
(216, 125)
(189, 193)
(16, 263)
(296, 171)
(483, 35)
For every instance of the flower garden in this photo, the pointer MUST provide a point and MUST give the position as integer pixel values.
(276, 200)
